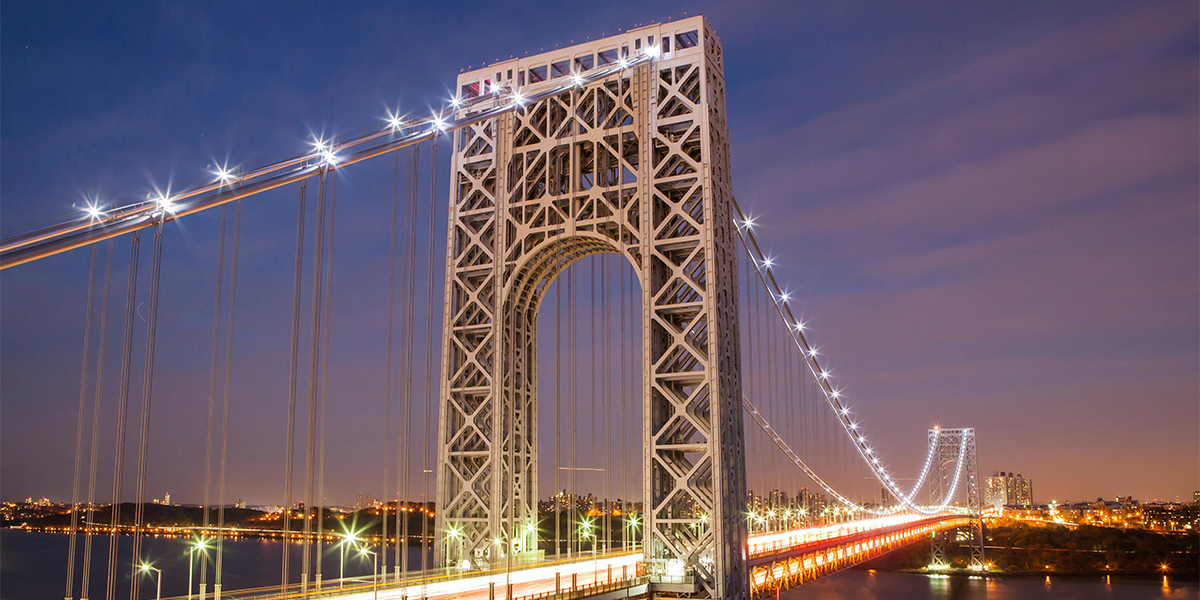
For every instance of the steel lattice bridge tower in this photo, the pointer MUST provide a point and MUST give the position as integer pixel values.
(637, 166)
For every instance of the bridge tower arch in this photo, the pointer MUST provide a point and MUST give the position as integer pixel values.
(637, 165)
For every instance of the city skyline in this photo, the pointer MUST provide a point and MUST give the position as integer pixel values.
(1078, 346)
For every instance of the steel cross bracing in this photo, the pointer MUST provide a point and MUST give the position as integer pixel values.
(639, 166)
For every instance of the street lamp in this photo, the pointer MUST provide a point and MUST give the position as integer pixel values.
(347, 538)
(197, 545)
(374, 572)
(146, 569)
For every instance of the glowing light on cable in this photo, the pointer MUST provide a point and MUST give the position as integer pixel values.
(577, 79)
(518, 99)
(455, 101)
(223, 175)
(93, 211)
(165, 205)
(652, 51)
(439, 123)
(395, 123)
(824, 374)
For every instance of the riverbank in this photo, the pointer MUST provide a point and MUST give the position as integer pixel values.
(1021, 549)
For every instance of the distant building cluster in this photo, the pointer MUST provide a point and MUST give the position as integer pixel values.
(1124, 511)
(589, 505)
(1008, 489)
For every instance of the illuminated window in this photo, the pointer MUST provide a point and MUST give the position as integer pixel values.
(470, 90)
(537, 74)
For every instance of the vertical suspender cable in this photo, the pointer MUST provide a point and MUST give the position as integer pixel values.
(90, 515)
(406, 324)
(122, 413)
(414, 157)
(624, 404)
(557, 400)
(387, 411)
(212, 399)
(429, 345)
(291, 416)
(560, 258)
(622, 88)
(607, 412)
(325, 381)
(314, 356)
(592, 399)
(83, 377)
(147, 389)
(233, 269)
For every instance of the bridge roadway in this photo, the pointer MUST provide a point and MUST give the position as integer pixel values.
(777, 560)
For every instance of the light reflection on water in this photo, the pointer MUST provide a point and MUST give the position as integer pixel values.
(856, 584)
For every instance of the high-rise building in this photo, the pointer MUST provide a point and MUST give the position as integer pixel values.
(1005, 489)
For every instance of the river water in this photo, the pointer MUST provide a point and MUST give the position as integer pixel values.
(33, 566)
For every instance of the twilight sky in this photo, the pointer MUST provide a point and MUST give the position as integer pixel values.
(989, 215)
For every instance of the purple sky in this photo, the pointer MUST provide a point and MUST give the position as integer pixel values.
(989, 218)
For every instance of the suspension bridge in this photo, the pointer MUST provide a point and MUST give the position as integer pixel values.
(615, 148)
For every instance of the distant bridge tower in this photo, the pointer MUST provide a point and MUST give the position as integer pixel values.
(639, 166)
(953, 446)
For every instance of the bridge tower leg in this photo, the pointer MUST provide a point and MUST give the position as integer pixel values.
(639, 166)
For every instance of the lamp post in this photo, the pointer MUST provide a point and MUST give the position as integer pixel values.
(347, 538)
(198, 545)
(374, 571)
(146, 569)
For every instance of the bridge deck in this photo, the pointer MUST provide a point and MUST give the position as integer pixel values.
(778, 561)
